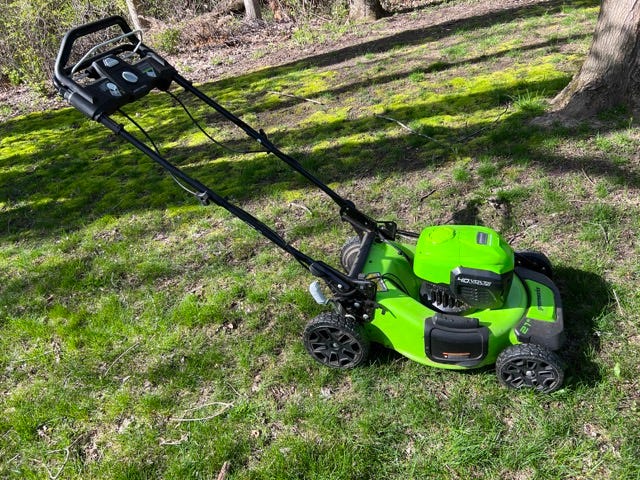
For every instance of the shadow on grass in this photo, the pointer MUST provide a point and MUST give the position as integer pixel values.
(586, 298)
(419, 36)
(50, 190)
(74, 172)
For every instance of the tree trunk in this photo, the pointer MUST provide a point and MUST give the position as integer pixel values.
(365, 10)
(610, 75)
(134, 12)
(252, 10)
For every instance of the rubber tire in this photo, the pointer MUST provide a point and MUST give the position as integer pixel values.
(535, 261)
(349, 253)
(530, 366)
(336, 341)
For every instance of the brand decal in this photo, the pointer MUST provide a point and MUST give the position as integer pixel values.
(539, 298)
(473, 281)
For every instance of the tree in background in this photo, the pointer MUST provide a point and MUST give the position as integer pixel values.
(366, 10)
(134, 8)
(610, 75)
(252, 10)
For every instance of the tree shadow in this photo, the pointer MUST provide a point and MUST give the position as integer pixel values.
(56, 187)
(423, 35)
(255, 103)
(63, 192)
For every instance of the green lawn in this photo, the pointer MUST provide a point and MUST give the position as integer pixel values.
(145, 336)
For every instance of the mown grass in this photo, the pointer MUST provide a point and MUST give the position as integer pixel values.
(144, 336)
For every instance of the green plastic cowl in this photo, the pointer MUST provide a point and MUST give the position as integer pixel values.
(440, 249)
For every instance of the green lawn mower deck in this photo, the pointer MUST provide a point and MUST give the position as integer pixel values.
(458, 299)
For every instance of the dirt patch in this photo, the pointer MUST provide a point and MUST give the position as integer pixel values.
(275, 47)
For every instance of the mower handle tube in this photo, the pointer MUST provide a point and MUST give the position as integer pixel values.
(355, 294)
(206, 195)
(94, 49)
(348, 211)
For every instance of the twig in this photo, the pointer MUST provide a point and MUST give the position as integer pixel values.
(604, 231)
(522, 233)
(180, 441)
(64, 464)
(204, 405)
(452, 472)
(119, 357)
(223, 471)
(67, 453)
(615, 296)
(424, 197)
(295, 96)
(224, 408)
(23, 360)
(587, 177)
(408, 128)
(302, 207)
(233, 388)
(467, 137)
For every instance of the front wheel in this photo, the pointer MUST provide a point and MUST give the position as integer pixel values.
(530, 366)
(335, 341)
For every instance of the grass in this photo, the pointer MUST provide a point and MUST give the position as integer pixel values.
(144, 336)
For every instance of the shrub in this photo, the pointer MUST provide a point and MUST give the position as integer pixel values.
(30, 33)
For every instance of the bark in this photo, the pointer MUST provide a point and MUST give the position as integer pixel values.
(227, 6)
(366, 10)
(252, 10)
(137, 19)
(610, 75)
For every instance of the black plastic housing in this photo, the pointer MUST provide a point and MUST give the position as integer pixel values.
(480, 288)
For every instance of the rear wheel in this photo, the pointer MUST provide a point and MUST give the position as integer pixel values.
(535, 261)
(349, 253)
(530, 366)
(335, 341)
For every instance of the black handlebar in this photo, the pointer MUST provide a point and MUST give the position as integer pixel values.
(66, 47)
(117, 76)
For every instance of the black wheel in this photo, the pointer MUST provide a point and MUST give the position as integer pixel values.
(349, 253)
(535, 261)
(335, 341)
(530, 366)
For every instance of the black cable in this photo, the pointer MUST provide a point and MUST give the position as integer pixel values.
(197, 124)
(144, 132)
(397, 281)
(155, 147)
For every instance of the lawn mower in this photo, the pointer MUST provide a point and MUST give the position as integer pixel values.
(452, 296)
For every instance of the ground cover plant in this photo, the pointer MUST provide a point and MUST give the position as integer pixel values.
(145, 336)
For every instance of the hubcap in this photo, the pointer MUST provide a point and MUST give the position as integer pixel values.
(334, 346)
(527, 372)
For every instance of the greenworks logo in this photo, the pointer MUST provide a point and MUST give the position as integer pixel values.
(539, 298)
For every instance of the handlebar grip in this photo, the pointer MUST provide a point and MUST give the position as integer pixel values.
(74, 34)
